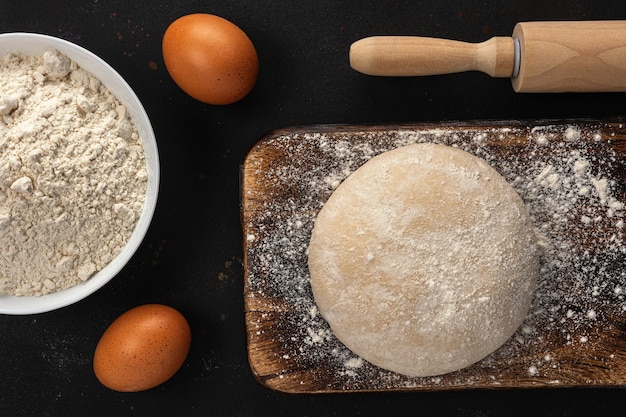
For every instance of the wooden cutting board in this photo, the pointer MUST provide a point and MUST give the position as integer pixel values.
(572, 176)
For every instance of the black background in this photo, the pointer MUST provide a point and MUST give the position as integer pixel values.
(191, 257)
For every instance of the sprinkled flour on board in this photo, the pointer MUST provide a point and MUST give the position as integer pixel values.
(569, 179)
(72, 174)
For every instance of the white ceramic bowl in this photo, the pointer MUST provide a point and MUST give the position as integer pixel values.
(31, 44)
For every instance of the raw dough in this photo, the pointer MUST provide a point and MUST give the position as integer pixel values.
(424, 260)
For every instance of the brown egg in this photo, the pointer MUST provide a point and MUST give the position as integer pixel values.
(142, 348)
(210, 58)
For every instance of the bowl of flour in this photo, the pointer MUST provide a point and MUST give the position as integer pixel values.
(79, 173)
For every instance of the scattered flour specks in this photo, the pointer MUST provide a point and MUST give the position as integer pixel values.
(567, 176)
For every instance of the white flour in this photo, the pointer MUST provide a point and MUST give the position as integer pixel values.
(72, 174)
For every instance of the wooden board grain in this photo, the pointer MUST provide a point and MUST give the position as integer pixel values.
(576, 331)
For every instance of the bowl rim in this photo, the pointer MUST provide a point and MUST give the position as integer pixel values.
(110, 78)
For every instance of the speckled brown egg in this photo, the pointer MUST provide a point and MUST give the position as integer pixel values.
(210, 58)
(142, 348)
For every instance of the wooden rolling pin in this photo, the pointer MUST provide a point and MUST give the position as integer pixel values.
(540, 57)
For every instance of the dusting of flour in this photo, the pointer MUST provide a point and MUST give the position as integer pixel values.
(567, 177)
(72, 174)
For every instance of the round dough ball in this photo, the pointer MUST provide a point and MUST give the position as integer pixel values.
(424, 260)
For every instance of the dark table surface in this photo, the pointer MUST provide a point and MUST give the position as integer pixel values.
(191, 258)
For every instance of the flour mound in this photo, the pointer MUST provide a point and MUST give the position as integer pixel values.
(72, 174)
(424, 260)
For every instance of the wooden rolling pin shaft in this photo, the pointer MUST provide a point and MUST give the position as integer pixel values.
(540, 57)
